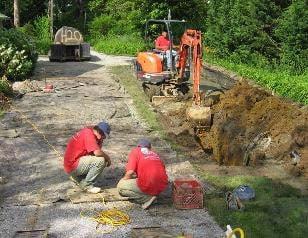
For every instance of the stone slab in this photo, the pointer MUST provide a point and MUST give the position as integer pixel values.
(76, 195)
(10, 133)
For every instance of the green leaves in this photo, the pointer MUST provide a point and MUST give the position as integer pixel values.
(119, 45)
(292, 32)
(17, 55)
(280, 81)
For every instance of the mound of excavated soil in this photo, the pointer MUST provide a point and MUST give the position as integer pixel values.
(250, 125)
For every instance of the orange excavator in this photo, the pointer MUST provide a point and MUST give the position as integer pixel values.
(160, 82)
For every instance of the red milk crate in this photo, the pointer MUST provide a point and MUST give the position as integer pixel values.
(187, 194)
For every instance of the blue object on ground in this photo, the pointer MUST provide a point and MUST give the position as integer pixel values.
(244, 192)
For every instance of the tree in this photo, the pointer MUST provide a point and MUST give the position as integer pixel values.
(292, 32)
(16, 13)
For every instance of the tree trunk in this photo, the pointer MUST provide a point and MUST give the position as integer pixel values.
(50, 12)
(16, 13)
(80, 6)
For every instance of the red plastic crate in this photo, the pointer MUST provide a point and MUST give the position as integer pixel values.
(187, 194)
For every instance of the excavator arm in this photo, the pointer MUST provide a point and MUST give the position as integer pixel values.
(191, 54)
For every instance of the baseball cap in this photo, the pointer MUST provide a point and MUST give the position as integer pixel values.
(144, 143)
(104, 127)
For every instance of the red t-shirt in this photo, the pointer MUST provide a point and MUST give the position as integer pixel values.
(82, 143)
(162, 42)
(151, 174)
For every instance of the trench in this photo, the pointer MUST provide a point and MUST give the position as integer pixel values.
(251, 127)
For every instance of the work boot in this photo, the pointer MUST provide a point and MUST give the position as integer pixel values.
(92, 189)
(148, 203)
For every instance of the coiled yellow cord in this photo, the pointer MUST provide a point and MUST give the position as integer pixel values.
(113, 218)
(239, 231)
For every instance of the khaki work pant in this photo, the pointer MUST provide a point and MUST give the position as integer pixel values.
(88, 170)
(129, 188)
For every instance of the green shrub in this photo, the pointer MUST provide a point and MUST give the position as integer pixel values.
(280, 81)
(292, 32)
(42, 34)
(39, 31)
(14, 64)
(5, 87)
(119, 44)
(20, 41)
(17, 55)
(100, 26)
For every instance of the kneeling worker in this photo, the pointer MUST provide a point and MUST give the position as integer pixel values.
(84, 160)
(145, 176)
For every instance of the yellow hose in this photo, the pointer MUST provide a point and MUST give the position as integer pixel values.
(238, 231)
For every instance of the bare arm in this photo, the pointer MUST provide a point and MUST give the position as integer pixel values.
(100, 153)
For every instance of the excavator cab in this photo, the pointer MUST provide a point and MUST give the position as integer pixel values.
(151, 66)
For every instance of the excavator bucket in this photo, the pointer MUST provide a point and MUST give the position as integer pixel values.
(200, 117)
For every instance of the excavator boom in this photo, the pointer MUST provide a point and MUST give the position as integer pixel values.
(191, 50)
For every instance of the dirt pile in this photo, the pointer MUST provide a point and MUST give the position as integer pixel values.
(250, 126)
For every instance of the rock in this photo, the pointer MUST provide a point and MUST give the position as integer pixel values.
(3, 180)
(12, 133)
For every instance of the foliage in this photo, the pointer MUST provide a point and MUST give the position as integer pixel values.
(119, 45)
(278, 210)
(5, 87)
(292, 32)
(29, 9)
(42, 34)
(18, 55)
(19, 40)
(280, 81)
(242, 29)
(39, 31)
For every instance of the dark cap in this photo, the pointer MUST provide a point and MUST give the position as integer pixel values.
(104, 127)
(144, 143)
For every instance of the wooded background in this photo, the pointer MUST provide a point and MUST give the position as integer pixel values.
(262, 33)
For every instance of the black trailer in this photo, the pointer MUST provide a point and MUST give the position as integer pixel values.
(69, 45)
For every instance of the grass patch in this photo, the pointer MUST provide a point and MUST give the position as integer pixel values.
(281, 82)
(278, 210)
(118, 45)
(141, 101)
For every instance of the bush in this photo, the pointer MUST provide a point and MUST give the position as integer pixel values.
(42, 34)
(119, 45)
(292, 31)
(17, 55)
(5, 87)
(100, 26)
(39, 31)
(280, 81)
(20, 41)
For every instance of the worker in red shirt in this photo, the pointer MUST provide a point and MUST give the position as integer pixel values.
(84, 160)
(145, 176)
(162, 43)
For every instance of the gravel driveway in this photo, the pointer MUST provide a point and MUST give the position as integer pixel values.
(33, 197)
